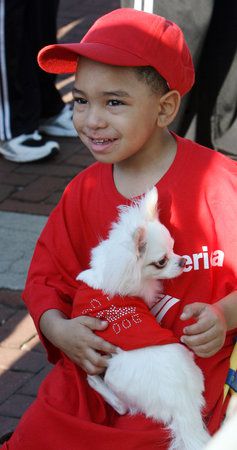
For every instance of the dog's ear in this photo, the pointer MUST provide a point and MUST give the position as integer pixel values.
(139, 238)
(150, 204)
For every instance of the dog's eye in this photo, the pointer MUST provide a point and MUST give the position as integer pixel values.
(160, 264)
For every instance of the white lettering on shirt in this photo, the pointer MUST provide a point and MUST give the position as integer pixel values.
(204, 260)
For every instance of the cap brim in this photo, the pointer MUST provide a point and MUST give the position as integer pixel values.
(63, 58)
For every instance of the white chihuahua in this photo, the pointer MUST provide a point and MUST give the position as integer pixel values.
(161, 381)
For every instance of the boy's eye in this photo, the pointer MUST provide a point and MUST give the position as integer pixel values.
(161, 263)
(115, 102)
(80, 100)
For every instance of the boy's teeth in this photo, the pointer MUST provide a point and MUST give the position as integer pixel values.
(101, 141)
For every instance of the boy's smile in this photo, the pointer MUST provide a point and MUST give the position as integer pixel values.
(115, 114)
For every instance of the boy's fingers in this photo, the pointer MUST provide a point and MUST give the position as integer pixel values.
(97, 342)
(93, 323)
(199, 339)
(193, 310)
(201, 326)
(91, 369)
(103, 346)
(95, 363)
(207, 350)
(96, 359)
(209, 317)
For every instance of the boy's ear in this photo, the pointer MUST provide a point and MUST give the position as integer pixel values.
(169, 105)
(139, 238)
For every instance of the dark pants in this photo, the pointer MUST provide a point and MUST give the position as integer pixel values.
(26, 92)
(209, 112)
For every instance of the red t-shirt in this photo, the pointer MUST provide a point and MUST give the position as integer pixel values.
(197, 202)
(130, 322)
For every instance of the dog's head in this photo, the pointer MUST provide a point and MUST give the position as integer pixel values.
(137, 254)
(154, 244)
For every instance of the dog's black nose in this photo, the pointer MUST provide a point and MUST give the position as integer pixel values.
(182, 262)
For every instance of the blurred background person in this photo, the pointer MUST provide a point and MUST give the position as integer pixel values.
(30, 104)
(209, 113)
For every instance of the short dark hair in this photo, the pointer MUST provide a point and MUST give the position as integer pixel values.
(152, 78)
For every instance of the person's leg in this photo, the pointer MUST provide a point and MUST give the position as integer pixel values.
(45, 33)
(18, 80)
(20, 101)
(217, 106)
(56, 118)
(5, 437)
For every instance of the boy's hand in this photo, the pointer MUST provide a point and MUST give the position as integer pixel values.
(207, 335)
(76, 338)
(80, 343)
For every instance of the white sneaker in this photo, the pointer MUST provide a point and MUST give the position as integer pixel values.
(27, 148)
(59, 125)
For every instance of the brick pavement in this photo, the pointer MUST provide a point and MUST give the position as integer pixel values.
(35, 189)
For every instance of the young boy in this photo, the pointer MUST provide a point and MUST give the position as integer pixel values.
(131, 70)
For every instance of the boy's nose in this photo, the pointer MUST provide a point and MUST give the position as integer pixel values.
(95, 119)
(182, 262)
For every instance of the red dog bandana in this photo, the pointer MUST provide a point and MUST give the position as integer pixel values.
(131, 325)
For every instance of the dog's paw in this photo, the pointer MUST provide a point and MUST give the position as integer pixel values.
(92, 381)
(96, 383)
(120, 408)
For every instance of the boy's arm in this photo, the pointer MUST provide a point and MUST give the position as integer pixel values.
(51, 281)
(39, 299)
(47, 285)
(207, 335)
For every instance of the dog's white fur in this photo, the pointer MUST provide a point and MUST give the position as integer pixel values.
(162, 382)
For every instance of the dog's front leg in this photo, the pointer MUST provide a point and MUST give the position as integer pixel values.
(98, 384)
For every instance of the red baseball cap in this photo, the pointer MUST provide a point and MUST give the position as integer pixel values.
(127, 37)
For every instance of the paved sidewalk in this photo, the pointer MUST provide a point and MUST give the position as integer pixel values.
(28, 193)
